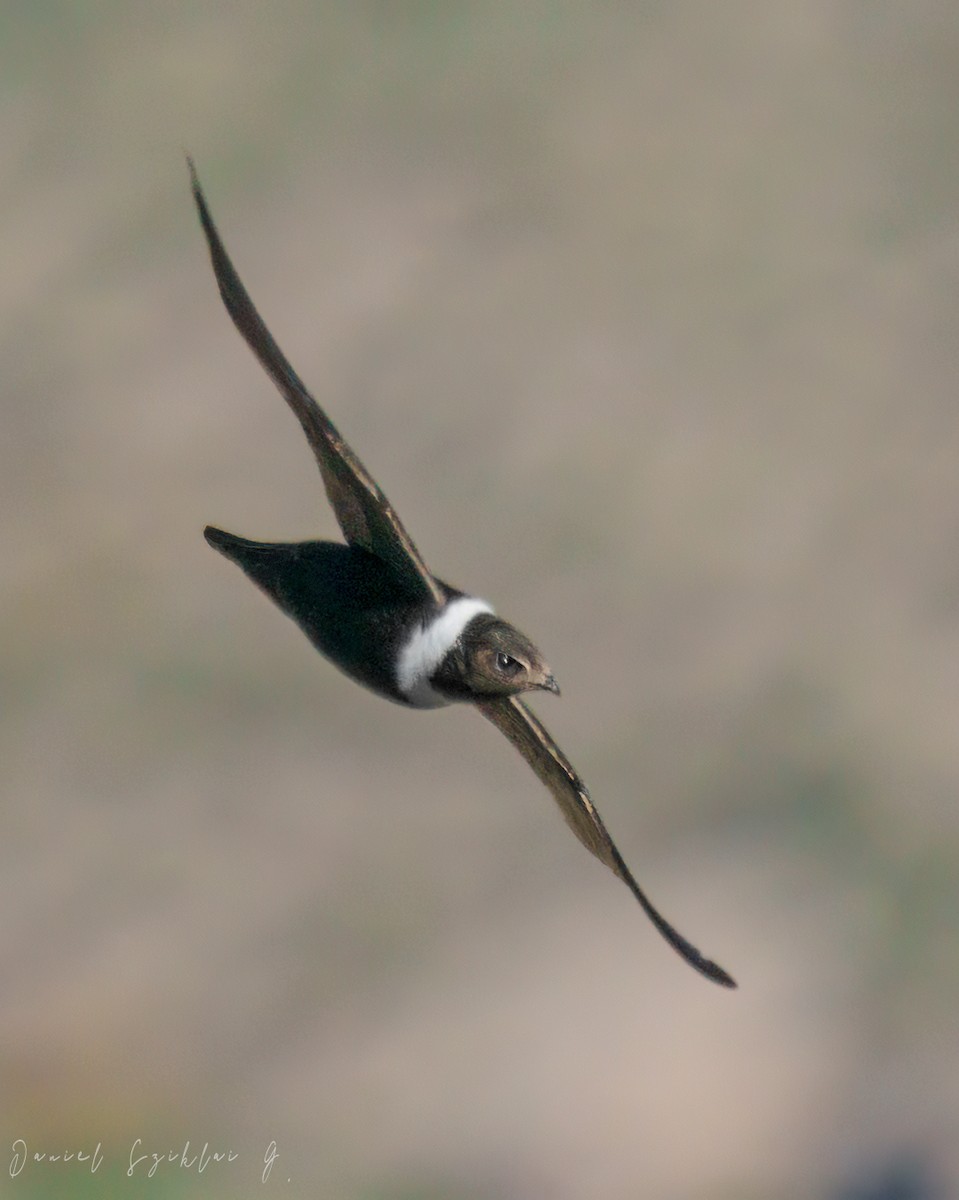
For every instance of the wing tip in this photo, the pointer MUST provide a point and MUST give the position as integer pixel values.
(688, 953)
(200, 200)
(195, 187)
(715, 973)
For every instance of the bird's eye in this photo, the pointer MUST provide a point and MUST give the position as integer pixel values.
(507, 665)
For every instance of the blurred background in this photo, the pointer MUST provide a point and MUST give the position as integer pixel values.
(645, 318)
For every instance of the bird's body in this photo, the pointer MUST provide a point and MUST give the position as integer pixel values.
(358, 613)
(374, 609)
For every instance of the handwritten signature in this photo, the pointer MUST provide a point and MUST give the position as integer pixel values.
(140, 1160)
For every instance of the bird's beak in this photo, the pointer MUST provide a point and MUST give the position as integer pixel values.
(549, 684)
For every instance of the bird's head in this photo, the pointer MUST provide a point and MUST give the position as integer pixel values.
(492, 658)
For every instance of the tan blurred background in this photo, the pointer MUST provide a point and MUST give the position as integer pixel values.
(645, 317)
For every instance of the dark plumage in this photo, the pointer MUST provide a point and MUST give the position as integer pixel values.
(352, 608)
(374, 609)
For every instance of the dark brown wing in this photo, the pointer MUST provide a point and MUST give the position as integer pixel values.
(364, 513)
(531, 739)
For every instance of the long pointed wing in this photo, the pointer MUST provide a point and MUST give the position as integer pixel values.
(363, 512)
(531, 739)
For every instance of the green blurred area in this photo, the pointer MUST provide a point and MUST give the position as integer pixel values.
(645, 318)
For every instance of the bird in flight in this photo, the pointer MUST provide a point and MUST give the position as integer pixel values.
(375, 610)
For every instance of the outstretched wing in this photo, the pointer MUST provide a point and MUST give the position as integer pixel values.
(531, 739)
(363, 512)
